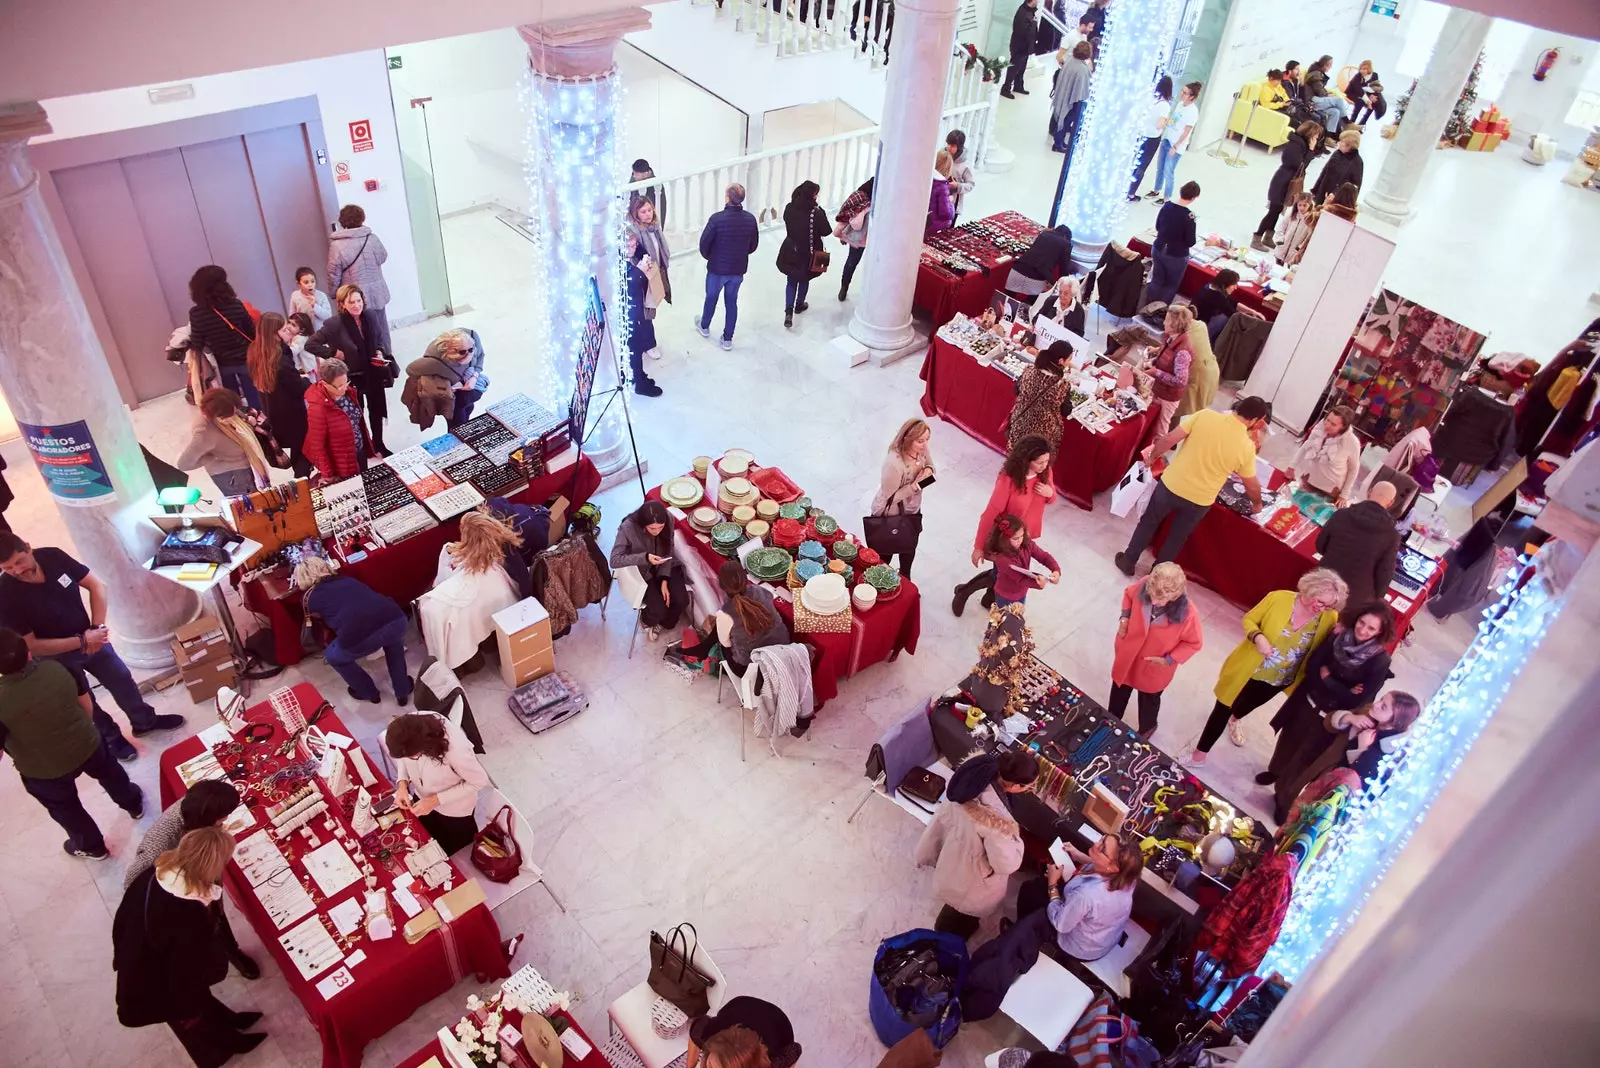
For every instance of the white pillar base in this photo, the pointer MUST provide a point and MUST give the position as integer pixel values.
(622, 474)
(998, 159)
(848, 350)
(1395, 213)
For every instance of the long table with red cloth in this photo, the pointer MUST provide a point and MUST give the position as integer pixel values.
(395, 978)
(978, 399)
(942, 292)
(1244, 561)
(404, 570)
(595, 1059)
(880, 632)
(1196, 276)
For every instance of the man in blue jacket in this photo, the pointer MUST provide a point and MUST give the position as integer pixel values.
(729, 238)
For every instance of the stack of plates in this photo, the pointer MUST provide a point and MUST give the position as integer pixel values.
(838, 567)
(788, 533)
(704, 518)
(792, 510)
(744, 514)
(735, 463)
(806, 570)
(844, 549)
(865, 596)
(826, 595)
(682, 493)
(812, 550)
(726, 538)
(768, 565)
(767, 510)
(735, 492)
(758, 528)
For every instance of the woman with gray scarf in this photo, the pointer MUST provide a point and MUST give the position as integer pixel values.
(642, 221)
(1342, 673)
(1070, 91)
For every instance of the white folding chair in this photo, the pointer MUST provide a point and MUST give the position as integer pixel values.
(630, 1014)
(631, 581)
(1112, 968)
(744, 687)
(1046, 1001)
(490, 802)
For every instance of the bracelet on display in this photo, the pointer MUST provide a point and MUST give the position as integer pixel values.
(257, 733)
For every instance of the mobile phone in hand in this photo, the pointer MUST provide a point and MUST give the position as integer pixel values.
(925, 483)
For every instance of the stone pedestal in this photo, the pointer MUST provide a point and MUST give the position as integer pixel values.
(924, 33)
(574, 95)
(53, 372)
(1388, 197)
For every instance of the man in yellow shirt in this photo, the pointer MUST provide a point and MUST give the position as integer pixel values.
(1273, 95)
(1214, 446)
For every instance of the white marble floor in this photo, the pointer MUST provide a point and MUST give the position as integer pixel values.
(643, 812)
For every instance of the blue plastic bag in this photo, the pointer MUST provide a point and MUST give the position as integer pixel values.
(886, 1019)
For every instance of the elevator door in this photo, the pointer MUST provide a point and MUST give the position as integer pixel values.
(250, 203)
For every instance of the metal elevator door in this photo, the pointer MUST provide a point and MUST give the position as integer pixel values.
(250, 203)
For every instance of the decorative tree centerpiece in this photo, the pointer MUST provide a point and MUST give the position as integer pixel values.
(1458, 127)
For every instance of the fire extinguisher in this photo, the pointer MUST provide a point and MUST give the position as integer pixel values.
(1542, 69)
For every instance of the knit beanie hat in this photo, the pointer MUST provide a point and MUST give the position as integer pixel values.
(972, 777)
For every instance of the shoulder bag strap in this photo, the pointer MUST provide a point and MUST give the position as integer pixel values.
(235, 329)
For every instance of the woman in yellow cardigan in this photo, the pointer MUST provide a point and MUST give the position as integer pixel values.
(1278, 635)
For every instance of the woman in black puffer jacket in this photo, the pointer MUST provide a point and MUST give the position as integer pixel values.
(1298, 152)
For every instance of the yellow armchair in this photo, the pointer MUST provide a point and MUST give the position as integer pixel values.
(1270, 128)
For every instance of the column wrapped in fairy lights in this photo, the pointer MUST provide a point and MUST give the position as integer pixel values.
(572, 174)
(1380, 821)
(1138, 34)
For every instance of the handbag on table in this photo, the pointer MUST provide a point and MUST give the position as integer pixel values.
(672, 972)
(495, 851)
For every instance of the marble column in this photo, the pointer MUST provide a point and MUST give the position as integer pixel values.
(53, 372)
(574, 96)
(924, 31)
(1388, 196)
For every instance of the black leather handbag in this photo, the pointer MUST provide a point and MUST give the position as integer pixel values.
(673, 974)
(894, 533)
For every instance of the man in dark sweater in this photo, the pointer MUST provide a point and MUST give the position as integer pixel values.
(1361, 544)
(1169, 253)
(1024, 35)
(729, 238)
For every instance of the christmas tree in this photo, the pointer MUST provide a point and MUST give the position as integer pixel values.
(1459, 124)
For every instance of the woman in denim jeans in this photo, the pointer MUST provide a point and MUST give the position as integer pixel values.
(805, 224)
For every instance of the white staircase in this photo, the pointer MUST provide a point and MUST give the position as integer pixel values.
(767, 55)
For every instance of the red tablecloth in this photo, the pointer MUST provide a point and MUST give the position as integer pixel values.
(1197, 276)
(875, 635)
(395, 978)
(404, 570)
(942, 292)
(1243, 561)
(433, 1049)
(978, 399)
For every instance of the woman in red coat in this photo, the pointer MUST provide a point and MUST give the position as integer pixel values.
(337, 441)
(1022, 489)
(1160, 629)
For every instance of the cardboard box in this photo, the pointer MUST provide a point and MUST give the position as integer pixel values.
(200, 640)
(516, 672)
(203, 683)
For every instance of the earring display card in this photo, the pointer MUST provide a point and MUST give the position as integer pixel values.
(447, 450)
(454, 501)
(468, 469)
(341, 507)
(400, 523)
(259, 858)
(385, 491)
(489, 436)
(332, 868)
(499, 481)
(311, 947)
(284, 898)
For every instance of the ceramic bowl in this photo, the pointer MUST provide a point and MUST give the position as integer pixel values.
(845, 550)
(769, 564)
(803, 502)
(702, 464)
(740, 458)
(744, 514)
(758, 528)
(737, 488)
(705, 517)
(882, 577)
(727, 534)
(767, 510)
(806, 570)
(792, 510)
(812, 550)
(865, 596)
(826, 524)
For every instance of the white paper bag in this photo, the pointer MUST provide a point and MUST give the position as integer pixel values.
(1131, 487)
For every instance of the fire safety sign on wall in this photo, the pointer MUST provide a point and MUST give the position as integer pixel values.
(361, 135)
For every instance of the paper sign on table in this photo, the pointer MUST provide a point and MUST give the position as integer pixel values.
(215, 735)
(575, 1044)
(338, 740)
(346, 915)
(406, 900)
(355, 958)
(335, 982)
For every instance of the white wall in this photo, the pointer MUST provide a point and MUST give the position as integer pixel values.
(1262, 34)
(1541, 107)
(475, 120)
(347, 88)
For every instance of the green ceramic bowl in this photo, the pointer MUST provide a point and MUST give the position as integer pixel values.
(827, 525)
(845, 550)
(792, 510)
(881, 577)
(727, 534)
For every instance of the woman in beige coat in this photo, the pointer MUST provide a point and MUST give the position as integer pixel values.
(974, 843)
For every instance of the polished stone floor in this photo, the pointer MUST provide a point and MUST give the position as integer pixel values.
(641, 808)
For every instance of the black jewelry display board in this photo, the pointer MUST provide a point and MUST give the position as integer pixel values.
(1075, 738)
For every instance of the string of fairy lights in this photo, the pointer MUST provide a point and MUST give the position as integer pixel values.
(1137, 36)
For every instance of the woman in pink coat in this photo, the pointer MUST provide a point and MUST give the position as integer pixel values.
(1022, 489)
(1160, 629)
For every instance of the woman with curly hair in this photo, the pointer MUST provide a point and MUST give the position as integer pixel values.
(1022, 489)
(437, 776)
(472, 584)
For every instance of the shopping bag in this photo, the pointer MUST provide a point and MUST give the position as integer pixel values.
(1131, 487)
(673, 974)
